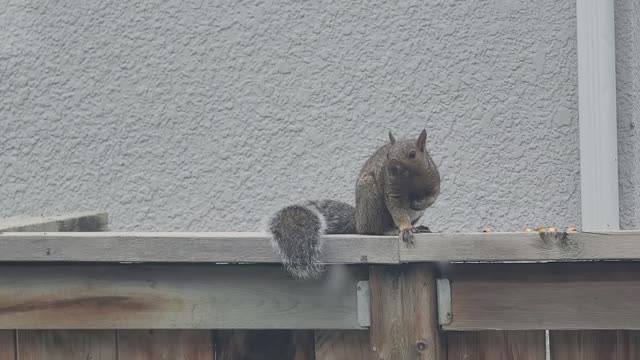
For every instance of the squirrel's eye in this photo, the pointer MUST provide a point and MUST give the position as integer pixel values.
(412, 155)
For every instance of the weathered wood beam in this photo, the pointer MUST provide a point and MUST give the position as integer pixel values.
(187, 296)
(183, 247)
(247, 247)
(556, 296)
(83, 221)
(533, 246)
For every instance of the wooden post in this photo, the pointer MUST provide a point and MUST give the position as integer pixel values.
(404, 320)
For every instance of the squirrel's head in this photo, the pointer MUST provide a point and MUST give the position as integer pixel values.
(409, 158)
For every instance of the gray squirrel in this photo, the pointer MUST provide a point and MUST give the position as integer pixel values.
(394, 187)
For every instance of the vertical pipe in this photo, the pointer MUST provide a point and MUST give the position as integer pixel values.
(597, 113)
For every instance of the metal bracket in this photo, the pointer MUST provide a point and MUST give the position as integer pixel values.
(444, 301)
(364, 310)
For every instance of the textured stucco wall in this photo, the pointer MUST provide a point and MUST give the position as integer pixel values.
(627, 17)
(208, 115)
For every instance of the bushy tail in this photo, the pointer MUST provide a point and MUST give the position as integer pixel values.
(297, 229)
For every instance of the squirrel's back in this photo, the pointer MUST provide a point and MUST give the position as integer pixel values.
(296, 233)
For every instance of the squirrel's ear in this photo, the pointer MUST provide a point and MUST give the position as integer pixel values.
(391, 138)
(422, 140)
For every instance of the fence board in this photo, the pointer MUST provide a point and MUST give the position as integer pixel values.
(230, 345)
(7, 345)
(628, 344)
(264, 345)
(583, 345)
(343, 345)
(174, 297)
(66, 345)
(496, 345)
(595, 345)
(165, 345)
(305, 344)
(462, 345)
(544, 296)
(504, 345)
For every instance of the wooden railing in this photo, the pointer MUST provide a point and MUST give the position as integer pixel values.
(70, 290)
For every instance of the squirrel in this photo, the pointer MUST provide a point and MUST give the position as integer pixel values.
(394, 187)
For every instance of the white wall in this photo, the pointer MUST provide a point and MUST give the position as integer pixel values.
(208, 115)
(627, 20)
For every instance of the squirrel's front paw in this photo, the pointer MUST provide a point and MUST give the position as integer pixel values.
(407, 236)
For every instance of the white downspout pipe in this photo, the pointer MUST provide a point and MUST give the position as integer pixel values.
(597, 118)
(597, 115)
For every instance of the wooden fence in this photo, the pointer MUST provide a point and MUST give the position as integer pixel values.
(69, 289)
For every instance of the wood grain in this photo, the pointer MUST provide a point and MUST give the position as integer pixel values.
(496, 345)
(619, 245)
(628, 344)
(595, 345)
(264, 345)
(183, 247)
(85, 221)
(305, 344)
(462, 345)
(165, 345)
(66, 345)
(545, 296)
(174, 297)
(7, 345)
(343, 345)
(583, 345)
(403, 313)
(388, 335)
(347, 249)
(230, 344)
